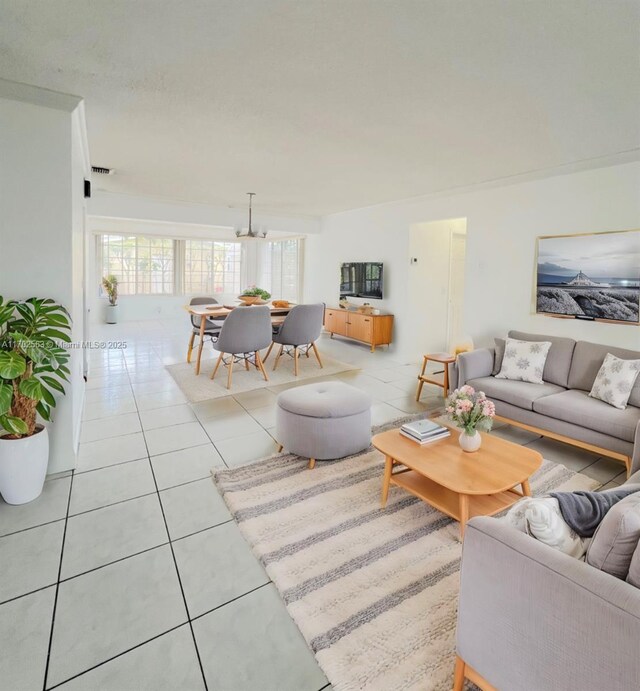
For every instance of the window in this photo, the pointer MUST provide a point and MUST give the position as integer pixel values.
(280, 269)
(148, 265)
(143, 265)
(212, 267)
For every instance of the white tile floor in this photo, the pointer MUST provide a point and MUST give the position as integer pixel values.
(129, 573)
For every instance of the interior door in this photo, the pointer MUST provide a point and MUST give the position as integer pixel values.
(456, 287)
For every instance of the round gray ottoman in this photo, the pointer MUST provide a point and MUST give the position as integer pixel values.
(323, 421)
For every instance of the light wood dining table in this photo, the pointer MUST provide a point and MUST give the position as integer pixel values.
(220, 312)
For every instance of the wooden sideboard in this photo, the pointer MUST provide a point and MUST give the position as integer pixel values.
(373, 329)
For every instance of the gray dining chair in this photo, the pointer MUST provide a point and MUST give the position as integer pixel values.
(211, 329)
(245, 332)
(299, 331)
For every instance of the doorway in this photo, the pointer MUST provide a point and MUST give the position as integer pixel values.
(436, 283)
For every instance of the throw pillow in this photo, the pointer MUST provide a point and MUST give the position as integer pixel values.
(498, 355)
(524, 360)
(541, 518)
(616, 538)
(633, 576)
(614, 381)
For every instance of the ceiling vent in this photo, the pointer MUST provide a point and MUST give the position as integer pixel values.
(99, 170)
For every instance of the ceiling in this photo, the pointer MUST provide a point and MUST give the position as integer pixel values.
(326, 105)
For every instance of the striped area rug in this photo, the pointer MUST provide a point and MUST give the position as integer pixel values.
(374, 592)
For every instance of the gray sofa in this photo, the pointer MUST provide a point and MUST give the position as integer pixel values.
(561, 407)
(531, 618)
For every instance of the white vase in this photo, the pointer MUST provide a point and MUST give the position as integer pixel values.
(111, 314)
(470, 442)
(23, 467)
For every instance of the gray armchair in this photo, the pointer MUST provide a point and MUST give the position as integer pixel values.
(244, 333)
(300, 330)
(211, 330)
(531, 617)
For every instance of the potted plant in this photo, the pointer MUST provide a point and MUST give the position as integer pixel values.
(33, 366)
(253, 295)
(471, 411)
(110, 285)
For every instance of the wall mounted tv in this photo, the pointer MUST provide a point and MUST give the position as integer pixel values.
(361, 280)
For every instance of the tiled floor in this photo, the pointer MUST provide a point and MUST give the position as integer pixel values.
(129, 573)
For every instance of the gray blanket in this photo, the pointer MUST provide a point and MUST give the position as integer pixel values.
(583, 511)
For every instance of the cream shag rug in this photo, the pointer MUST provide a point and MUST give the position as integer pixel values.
(201, 388)
(374, 592)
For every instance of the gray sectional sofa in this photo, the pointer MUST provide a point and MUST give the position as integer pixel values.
(561, 407)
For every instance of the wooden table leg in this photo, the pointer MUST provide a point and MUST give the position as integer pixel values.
(203, 321)
(190, 348)
(526, 489)
(420, 380)
(386, 480)
(464, 512)
(458, 675)
(445, 387)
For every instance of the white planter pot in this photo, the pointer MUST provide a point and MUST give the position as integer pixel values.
(111, 314)
(23, 467)
(470, 442)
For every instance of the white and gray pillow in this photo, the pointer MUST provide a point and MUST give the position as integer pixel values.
(614, 381)
(524, 360)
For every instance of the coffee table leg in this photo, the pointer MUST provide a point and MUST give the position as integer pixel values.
(526, 490)
(464, 512)
(388, 467)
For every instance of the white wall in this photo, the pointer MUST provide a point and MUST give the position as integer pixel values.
(502, 225)
(42, 165)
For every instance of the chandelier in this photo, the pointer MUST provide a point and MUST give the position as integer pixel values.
(250, 232)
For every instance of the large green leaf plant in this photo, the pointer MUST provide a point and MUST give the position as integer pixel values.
(33, 363)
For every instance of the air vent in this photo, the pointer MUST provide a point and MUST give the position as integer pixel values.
(99, 170)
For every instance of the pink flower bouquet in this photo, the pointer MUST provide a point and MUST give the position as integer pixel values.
(470, 410)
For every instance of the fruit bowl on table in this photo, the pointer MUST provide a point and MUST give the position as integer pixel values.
(281, 304)
(250, 299)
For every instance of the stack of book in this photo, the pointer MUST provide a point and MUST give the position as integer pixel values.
(424, 431)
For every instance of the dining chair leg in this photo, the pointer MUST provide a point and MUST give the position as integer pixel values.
(278, 356)
(315, 350)
(261, 366)
(266, 357)
(280, 447)
(230, 366)
(190, 349)
(306, 352)
(246, 363)
(215, 369)
(295, 360)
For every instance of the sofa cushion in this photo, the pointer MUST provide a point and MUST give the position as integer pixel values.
(524, 360)
(616, 538)
(577, 407)
(586, 363)
(633, 576)
(615, 380)
(558, 364)
(498, 355)
(520, 393)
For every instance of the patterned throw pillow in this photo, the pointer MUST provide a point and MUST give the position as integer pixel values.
(615, 380)
(524, 360)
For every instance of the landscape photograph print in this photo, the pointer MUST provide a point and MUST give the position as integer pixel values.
(592, 276)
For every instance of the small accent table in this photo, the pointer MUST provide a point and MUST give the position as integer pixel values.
(444, 359)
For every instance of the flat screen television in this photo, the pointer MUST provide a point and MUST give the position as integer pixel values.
(361, 280)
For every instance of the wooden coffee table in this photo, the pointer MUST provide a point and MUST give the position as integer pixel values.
(459, 484)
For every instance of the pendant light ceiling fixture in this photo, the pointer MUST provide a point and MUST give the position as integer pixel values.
(250, 232)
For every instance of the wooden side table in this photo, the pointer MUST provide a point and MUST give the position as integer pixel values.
(444, 359)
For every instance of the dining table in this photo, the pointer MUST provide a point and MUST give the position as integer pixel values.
(220, 312)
